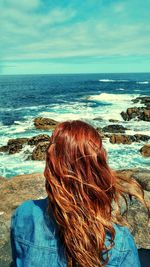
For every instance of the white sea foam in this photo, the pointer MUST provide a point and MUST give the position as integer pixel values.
(104, 97)
(111, 81)
(120, 89)
(144, 82)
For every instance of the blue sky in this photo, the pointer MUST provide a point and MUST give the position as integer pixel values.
(74, 36)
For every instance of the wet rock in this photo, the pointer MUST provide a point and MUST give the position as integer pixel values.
(122, 139)
(45, 123)
(114, 128)
(141, 137)
(39, 152)
(139, 113)
(38, 138)
(142, 100)
(98, 119)
(4, 149)
(112, 120)
(15, 145)
(145, 150)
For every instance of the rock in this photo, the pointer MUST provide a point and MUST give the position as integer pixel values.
(45, 123)
(127, 139)
(112, 120)
(114, 128)
(33, 141)
(122, 139)
(142, 100)
(4, 149)
(15, 145)
(141, 137)
(139, 113)
(145, 150)
(13, 192)
(22, 187)
(98, 119)
(39, 152)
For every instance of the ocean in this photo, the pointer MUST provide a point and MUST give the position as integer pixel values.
(68, 97)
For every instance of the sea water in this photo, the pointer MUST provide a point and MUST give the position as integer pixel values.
(68, 97)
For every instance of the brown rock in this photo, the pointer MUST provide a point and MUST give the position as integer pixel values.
(139, 113)
(39, 152)
(112, 120)
(33, 141)
(15, 145)
(114, 128)
(45, 123)
(121, 139)
(145, 150)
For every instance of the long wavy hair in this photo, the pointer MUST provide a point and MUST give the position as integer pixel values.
(84, 193)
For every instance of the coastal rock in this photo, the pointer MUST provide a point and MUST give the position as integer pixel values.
(139, 113)
(35, 140)
(112, 120)
(114, 128)
(39, 152)
(98, 119)
(128, 139)
(143, 100)
(145, 150)
(45, 123)
(122, 139)
(13, 192)
(15, 145)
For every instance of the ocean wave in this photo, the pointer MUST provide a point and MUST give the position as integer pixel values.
(120, 89)
(112, 81)
(144, 82)
(112, 97)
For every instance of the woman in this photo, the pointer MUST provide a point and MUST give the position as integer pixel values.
(80, 222)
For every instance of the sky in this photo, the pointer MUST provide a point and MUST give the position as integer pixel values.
(74, 36)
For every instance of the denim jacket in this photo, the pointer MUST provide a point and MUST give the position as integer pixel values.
(35, 240)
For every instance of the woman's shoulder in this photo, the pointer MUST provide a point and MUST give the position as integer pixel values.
(30, 209)
(124, 252)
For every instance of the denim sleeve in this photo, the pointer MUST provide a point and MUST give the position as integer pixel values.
(130, 254)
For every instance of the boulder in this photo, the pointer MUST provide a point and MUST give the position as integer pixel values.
(114, 128)
(139, 113)
(15, 145)
(45, 123)
(39, 152)
(35, 140)
(142, 100)
(145, 150)
(122, 139)
(13, 192)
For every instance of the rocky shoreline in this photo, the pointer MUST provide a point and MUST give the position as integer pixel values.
(23, 187)
(20, 188)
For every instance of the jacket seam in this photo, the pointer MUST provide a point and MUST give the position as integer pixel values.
(25, 242)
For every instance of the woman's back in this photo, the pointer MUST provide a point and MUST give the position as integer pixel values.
(36, 240)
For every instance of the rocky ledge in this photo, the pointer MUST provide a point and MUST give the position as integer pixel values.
(139, 113)
(23, 187)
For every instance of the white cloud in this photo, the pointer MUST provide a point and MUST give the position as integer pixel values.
(21, 4)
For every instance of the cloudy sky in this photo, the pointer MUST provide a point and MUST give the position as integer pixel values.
(74, 36)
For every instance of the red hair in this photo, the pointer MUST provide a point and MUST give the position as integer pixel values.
(81, 189)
